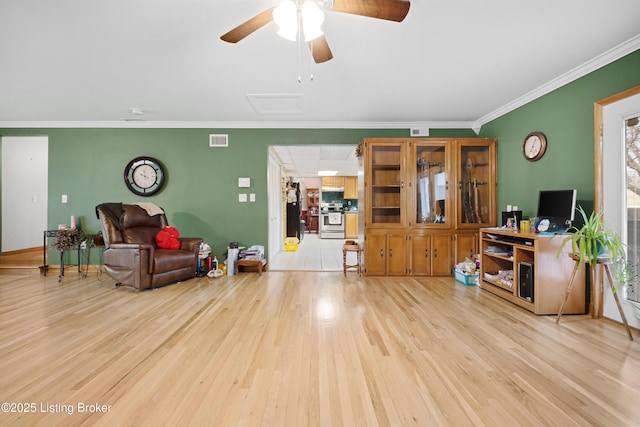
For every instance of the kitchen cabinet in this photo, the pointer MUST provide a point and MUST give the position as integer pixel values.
(313, 198)
(333, 181)
(350, 187)
(351, 225)
(437, 192)
(313, 202)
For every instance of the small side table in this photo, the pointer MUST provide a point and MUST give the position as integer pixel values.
(604, 264)
(54, 233)
(259, 264)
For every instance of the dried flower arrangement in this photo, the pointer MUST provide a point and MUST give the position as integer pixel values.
(67, 239)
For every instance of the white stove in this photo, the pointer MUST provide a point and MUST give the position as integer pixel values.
(331, 222)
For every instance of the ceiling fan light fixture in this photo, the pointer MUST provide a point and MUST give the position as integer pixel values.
(312, 20)
(288, 33)
(285, 15)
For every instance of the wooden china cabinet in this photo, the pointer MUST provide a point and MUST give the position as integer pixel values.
(424, 201)
(313, 209)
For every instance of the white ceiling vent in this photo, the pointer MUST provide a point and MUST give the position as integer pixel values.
(276, 103)
(419, 131)
(218, 140)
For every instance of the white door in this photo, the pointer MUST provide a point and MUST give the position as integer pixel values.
(614, 195)
(274, 192)
(24, 191)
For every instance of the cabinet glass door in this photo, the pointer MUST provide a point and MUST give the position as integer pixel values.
(431, 186)
(475, 195)
(387, 185)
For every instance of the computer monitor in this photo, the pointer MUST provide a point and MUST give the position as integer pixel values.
(558, 206)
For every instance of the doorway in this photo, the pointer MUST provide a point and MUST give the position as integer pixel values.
(24, 191)
(612, 116)
(301, 164)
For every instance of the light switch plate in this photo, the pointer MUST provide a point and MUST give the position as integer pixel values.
(242, 197)
(244, 182)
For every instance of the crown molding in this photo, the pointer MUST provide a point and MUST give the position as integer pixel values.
(238, 125)
(599, 61)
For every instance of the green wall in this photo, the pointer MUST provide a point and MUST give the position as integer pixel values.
(565, 116)
(201, 192)
(200, 195)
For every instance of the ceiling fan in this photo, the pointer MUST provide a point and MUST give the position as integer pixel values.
(298, 18)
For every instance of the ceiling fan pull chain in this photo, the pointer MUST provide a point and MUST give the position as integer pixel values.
(299, 42)
(299, 66)
(311, 63)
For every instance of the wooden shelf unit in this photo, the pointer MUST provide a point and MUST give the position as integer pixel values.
(551, 273)
(313, 208)
(424, 201)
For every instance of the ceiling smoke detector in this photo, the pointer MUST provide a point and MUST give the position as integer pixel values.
(135, 115)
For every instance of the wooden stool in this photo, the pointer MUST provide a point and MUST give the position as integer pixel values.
(351, 246)
(604, 263)
(260, 265)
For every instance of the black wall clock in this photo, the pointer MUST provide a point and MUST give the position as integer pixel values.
(144, 176)
(534, 146)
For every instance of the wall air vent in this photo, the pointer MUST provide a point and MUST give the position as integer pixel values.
(218, 140)
(419, 131)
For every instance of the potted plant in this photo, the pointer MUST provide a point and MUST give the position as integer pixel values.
(593, 241)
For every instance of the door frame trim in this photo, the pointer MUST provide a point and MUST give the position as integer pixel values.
(596, 310)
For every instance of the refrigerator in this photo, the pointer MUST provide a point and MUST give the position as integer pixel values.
(294, 220)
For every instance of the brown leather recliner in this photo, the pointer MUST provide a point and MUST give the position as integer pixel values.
(131, 256)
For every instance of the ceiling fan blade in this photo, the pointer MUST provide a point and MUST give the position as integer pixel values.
(249, 26)
(320, 50)
(390, 10)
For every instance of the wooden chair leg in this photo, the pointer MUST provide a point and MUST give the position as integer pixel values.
(615, 297)
(344, 262)
(567, 293)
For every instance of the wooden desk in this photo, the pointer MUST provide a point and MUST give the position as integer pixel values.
(551, 272)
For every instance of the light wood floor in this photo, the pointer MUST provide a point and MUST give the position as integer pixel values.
(304, 349)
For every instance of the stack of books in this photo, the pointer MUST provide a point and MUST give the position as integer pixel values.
(255, 252)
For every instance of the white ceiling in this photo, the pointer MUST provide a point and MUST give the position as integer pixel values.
(161, 63)
(305, 161)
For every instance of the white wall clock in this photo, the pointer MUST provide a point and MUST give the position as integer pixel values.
(534, 146)
(144, 176)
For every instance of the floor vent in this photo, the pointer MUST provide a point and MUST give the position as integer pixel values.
(218, 140)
